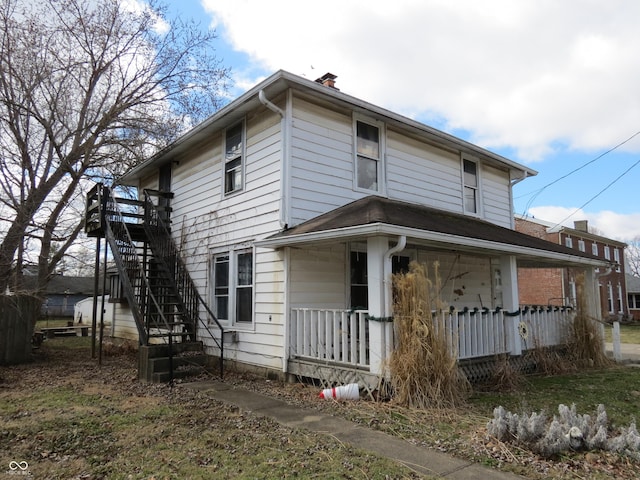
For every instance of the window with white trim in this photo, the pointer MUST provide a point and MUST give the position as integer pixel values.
(568, 241)
(634, 300)
(610, 297)
(607, 252)
(581, 246)
(368, 156)
(620, 304)
(359, 280)
(232, 281)
(594, 249)
(233, 158)
(616, 258)
(470, 181)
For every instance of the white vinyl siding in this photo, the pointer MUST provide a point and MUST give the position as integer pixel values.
(496, 204)
(466, 280)
(318, 277)
(203, 221)
(322, 172)
(420, 173)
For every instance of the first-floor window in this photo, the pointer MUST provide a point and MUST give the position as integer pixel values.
(233, 286)
(620, 303)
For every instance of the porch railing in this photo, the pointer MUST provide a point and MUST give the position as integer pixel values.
(342, 336)
(330, 335)
(545, 326)
(474, 333)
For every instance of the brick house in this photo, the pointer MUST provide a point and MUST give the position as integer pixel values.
(557, 286)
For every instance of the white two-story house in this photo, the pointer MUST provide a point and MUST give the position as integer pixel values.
(293, 205)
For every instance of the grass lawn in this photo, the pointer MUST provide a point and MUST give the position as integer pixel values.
(628, 333)
(69, 418)
(53, 322)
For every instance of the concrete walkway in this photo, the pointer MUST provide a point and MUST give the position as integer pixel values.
(419, 459)
(630, 352)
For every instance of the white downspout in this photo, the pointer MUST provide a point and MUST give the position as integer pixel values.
(402, 243)
(283, 215)
(284, 171)
(512, 206)
(263, 99)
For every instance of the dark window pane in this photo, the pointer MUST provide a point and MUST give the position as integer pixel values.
(368, 140)
(245, 269)
(244, 307)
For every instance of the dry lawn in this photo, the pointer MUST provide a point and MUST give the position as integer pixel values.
(70, 419)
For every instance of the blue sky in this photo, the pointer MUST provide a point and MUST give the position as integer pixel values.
(552, 85)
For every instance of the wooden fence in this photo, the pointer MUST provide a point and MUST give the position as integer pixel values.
(18, 314)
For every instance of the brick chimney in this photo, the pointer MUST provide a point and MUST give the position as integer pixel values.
(581, 225)
(328, 80)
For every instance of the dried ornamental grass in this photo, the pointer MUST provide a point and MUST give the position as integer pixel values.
(586, 343)
(424, 371)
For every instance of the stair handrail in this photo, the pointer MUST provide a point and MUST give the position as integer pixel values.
(157, 232)
(113, 215)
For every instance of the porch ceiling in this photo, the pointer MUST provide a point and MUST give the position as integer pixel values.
(433, 228)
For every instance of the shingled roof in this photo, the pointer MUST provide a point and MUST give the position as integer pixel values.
(374, 210)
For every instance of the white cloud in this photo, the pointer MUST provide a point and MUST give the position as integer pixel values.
(528, 75)
(623, 227)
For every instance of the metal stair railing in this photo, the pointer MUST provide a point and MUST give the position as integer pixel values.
(166, 251)
(134, 280)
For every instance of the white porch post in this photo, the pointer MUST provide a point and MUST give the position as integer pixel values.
(592, 300)
(510, 300)
(376, 248)
(592, 294)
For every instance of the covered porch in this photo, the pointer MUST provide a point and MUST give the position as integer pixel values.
(341, 319)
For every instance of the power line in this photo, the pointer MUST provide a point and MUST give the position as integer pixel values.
(539, 191)
(597, 194)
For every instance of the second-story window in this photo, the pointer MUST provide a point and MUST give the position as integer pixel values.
(568, 241)
(616, 258)
(368, 168)
(594, 249)
(470, 179)
(607, 252)
(234, 153)
(581, 246)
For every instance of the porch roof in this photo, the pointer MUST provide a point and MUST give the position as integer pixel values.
(438, 229)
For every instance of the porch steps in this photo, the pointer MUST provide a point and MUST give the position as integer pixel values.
(155, 364)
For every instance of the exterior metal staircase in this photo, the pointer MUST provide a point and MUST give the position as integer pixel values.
(163, 299)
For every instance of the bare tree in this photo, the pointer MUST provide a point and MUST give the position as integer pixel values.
(87, 89)
(632, 256)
